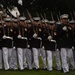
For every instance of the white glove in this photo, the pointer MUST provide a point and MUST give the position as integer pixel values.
(4, 37)
(19, 36)
(24, 38)
(57, 49)
(64, 28)
(39, 38)
(8, 37)
(20, 2)
(35, 35)
(43, 47)
(11, 38)
(14, 47)
(53, 41)
(73, 47)
(49, 37)
(28, 46)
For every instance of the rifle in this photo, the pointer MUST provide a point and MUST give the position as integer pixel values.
(44, 15)
(71, 16)
(40, 21)
(29, 16)
(2, 25)
(45, 24)
(59, 13)
(58, 18)
(73, 13)
(37, 14)
(24, 21)
(52, 16)
(31, 20)
(18, 23)
(25, 25)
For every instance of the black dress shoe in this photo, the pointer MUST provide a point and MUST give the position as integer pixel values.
(44, 68)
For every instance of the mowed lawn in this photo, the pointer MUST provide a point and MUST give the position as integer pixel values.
(35, 72)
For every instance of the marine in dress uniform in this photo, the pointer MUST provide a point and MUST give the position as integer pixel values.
(50, 43)
(29, 51)
(35, 42)
(41, 50)
(64, 35)
(7, 44)
(15, 34)
(72, 63)
(22, 43)
(57, 52)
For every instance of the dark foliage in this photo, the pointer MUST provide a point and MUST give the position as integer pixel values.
(42, 6)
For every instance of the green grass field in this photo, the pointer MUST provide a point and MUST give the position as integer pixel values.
(35, 72)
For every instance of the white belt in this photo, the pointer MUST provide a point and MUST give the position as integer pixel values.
(39, 38)
(53, 41)
(24, 38)
(20, 37)
(7, 37)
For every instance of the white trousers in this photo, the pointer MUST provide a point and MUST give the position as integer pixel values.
(0, 59)
(56, 53)
(14, 58)
(74, 56)
(22, 52)
(43, 55)
(67, 56)
(29, 58)
(7, 57)
(20, 57)
(35, 57)
(24, 57)
(49, 59)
